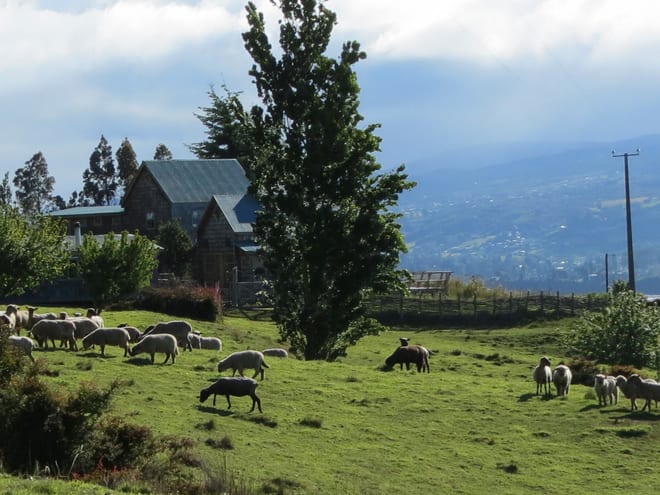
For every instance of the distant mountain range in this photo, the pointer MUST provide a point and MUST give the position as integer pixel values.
(542, 222)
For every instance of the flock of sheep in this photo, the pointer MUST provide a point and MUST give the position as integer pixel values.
(162, 338)
(606, 387)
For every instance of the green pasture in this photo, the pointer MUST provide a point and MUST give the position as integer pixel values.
(473, 424)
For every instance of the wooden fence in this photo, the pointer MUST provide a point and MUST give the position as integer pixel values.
(509, 308)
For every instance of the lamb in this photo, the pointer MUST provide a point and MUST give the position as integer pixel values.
(561, 377)
(107, 336)
(63, 330)
(407, 354)
(151, 344)
(199, 342)
(236, 386)
(605, 388)
(238, 361)
(281, 353)
(180, 329)
(25, 344)
(543, 376)
(33, 317)
(647, 389)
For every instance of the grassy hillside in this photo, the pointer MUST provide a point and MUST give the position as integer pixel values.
(473, 423)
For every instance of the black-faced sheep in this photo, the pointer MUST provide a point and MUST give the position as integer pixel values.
(646, 389)
(275, 352)
(179, 328)
(543, 376)
(108, 336)
(236, 386)
(606, 388)
(562, 377)
(407, 354)
(151, 344)
(238, 361)
(62, 330)
(25, 344)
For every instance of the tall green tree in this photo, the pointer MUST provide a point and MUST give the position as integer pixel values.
(162, 152)
(32, 250)
(116, 267)
(34, 186)
(176, 255)
(327, 229)
(228, 129)
(5, 191)
(100, 180)
(127, 163)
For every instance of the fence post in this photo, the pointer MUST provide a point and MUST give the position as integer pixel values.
(474, 305)
(557, 305)
(458, 300)
(542, 307)
(527, 302)
(440, 303)
(510, 302)
(494, 304)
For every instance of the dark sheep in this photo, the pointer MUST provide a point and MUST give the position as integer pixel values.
(236, 386)
(407, 354)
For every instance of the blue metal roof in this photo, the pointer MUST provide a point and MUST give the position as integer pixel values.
(239, 210)
(79, 211)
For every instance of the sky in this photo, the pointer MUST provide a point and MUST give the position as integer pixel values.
(442, 78)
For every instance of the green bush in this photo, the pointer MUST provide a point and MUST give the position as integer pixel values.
(200, 303)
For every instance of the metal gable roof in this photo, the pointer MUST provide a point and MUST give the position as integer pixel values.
(88, 210)
(195, 181)
(239, 210)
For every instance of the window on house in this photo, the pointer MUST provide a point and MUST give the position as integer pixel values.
(151, 220)
(195, 218)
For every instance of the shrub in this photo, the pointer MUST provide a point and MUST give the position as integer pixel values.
(200, 303)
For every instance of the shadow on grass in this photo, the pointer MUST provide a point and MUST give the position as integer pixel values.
(530, 395)
(635, 416)
(136, 361)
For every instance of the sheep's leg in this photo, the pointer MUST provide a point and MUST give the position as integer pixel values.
(214, 396)
(153, 357)
(228, 402)
(255, 400)
(167, 357)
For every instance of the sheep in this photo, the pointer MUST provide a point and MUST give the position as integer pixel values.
(238, 361)
(282, 353)
(25, 344)
(407, 354)
(404, 340)
(84, 325)
(33, 317)
(606, 388)
(561, 377)
(133, 332)
(647, 389)
(95, 315)
(151, 344)
(629, 391)
(21, 317)
(543, 376)
(63, 330)
(180, 329)
(199, 342)
(8, 320)
(107, 336)
(236, 386)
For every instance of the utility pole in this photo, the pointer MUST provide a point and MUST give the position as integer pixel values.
(631, 261)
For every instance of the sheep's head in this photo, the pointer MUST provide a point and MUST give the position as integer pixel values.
(204, 394)
(544, 361)
(635, 379)
(600, 379)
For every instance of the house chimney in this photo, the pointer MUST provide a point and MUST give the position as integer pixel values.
(77, 236)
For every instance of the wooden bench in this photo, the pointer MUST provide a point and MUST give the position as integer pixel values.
(429, 282)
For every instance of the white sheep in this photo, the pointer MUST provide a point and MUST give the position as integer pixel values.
(107, 336)
(275, 352)
(606, 388)
(84, 325)
(21, 317)
(180, 329)
(647, 389)
(199, 342)
(34, 317)
(133, 332)
(629, 391)
(151, 344)
(562, 377)
(25, 344)
(62, 330)
(95, 315)
(238, 361)
(236, 386)
(543, 376)
(8, 321)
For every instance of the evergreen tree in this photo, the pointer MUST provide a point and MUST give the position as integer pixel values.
(5, 191)
(162, 153)
(33, 185)
(228, 130)
(327, 231)
(100, 182)
(127, 163)
(177, 247)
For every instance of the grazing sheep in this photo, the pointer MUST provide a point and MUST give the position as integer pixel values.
(62, 330)
(151, 344)
(561, 377)
(107, 336)
(84, 325)
(407, 354)
(236, 386)
(281, 353)
(25, 344)
(238, 361)
(606, 388)
(180, 329)
(404, 340)
(34, 318)
(133, 332)
(199, 342)
(543, 376)
(646, 389)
